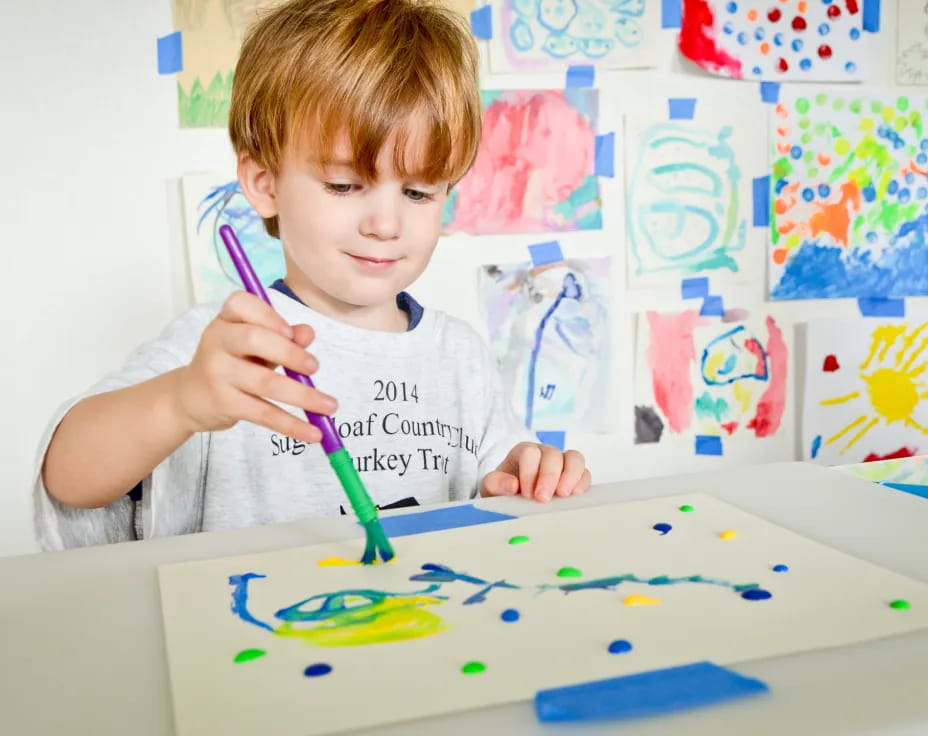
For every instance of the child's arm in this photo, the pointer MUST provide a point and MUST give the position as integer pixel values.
(109, 442)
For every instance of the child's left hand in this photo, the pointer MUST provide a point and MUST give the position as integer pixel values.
(539, 472)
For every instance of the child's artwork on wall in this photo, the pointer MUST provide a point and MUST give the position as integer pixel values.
(908, 470)
(866, 391)
(211, 200)
(550, 330)
(297, 642)
(537, 36)
(704, 376)
(850, 196)
(689, 193)
(212, 33)
(535, 170)
(912, 42)
(760, 39)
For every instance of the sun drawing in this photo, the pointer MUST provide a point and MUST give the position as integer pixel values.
(892, 385)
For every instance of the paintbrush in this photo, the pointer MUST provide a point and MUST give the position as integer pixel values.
(342, 464)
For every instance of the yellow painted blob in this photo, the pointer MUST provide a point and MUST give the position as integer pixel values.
(640, 600)
(341, 562)
(728, 534)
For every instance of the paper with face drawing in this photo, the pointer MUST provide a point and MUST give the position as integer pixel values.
(760, 39)
(689, 193)
(912, 42)
(550, 332)
(537, 35)
(212, 200)
(704, 376)
(323, 649)
(866, 391)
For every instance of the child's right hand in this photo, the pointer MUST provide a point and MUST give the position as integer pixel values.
(232, 377)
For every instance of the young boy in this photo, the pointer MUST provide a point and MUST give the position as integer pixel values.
(351, 120)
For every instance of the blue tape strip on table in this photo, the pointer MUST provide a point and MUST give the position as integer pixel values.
(696, 288)
(761, 201)
(580, 75)
(681, 108)
(604, 155)
(671, 13)
(170, 53)
(871, 14)
(545, 253)
(914, 488)
(881, 307)
(712, 306)
(770, 92)
(557, 439)
(653, 693)
(481, 22)
(708, 444)
(452, 517)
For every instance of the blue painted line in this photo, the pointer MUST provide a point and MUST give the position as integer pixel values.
(681, 108)
(481, 23)
(170, 53)
(604, 155)
(881, 307)
(545, 253)
(580, 75)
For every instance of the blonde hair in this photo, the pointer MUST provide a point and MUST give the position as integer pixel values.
(311, 70)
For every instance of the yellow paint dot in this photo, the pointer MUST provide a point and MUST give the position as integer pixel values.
(792, 241)
(888, 113)
(640, 600)
(336, 562)
(728, 534)
(842, 146)
(866, 124)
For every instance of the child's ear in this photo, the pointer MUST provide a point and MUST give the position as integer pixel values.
(257, 185)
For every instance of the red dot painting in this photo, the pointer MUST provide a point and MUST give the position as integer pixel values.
(831, 364)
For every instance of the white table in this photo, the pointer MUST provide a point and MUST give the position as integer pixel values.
(82, 645)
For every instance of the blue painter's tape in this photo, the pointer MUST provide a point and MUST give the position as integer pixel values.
(580, 75)
(682, 108)
(481, 23)
(694, 288)
(881, 307)
(671, 13)
(708, 444)
(551, 438)
(712, 306)
(452, 517)
(871, 20)
(770, 92)
(604, 155)
(914, 488)
(170, 53)
(544, 253)
(761, 201)
(653, 693)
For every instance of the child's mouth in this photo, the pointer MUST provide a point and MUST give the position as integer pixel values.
(376, 264)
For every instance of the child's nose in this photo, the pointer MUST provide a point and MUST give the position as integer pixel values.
(382, 218)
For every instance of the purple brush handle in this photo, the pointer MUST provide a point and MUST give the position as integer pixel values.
(330, 439)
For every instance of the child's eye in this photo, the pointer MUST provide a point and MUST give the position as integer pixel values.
(340, 189)
(415, 195)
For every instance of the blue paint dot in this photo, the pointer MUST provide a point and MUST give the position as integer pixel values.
(816, 445)
(855, 34)
(905, 195)
(756, 594)
(780, 568)
(805, 64)
(779, 185)
(922, 192)
(824, 190)
(893, 187)
(510, 615)
(807, 194)
(871, 237)
(850, 67)
(759, 34)
(826, 2)
(795, 152)
(796, 45)
(662, 528)
(924, 144)
(620, 646)
(869, 193)
(824, 29)
(756, 71)
(910, 178)
(742, 38)
(778, 39)
(922, 158)
(728, 28)
(317, 670)
(732, 7)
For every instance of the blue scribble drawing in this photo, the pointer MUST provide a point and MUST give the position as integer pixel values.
(733, 356)
(571, 31)
(549, 330)
(212, 271)
(685, 216)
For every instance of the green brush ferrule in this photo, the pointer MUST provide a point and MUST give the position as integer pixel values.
(357, 494)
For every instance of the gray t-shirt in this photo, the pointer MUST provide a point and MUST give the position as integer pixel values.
(421, 412)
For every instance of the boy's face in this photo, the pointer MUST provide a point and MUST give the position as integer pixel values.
(350, 246)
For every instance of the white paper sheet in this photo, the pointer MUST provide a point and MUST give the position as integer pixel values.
(912, 42)
(825, 599)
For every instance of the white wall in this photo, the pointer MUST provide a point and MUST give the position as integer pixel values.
(93, 240)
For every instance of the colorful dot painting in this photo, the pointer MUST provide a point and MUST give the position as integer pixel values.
(849, 196)
(816, 40)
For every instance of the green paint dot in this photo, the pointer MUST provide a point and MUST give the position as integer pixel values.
(804, 123)
(806, 137)
(855, 106)
(802, 104)
(518, 539)
(902, 103)
(808, 156)
(900, 605)
(888, 114)
(821, 98)
(837, 103)
(569, 572)
(813, 171)
(901, 123)
(473, 668)
(246, 655)
(876, 107)
(686, 508)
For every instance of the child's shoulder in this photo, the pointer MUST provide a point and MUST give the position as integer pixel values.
(187, 328)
